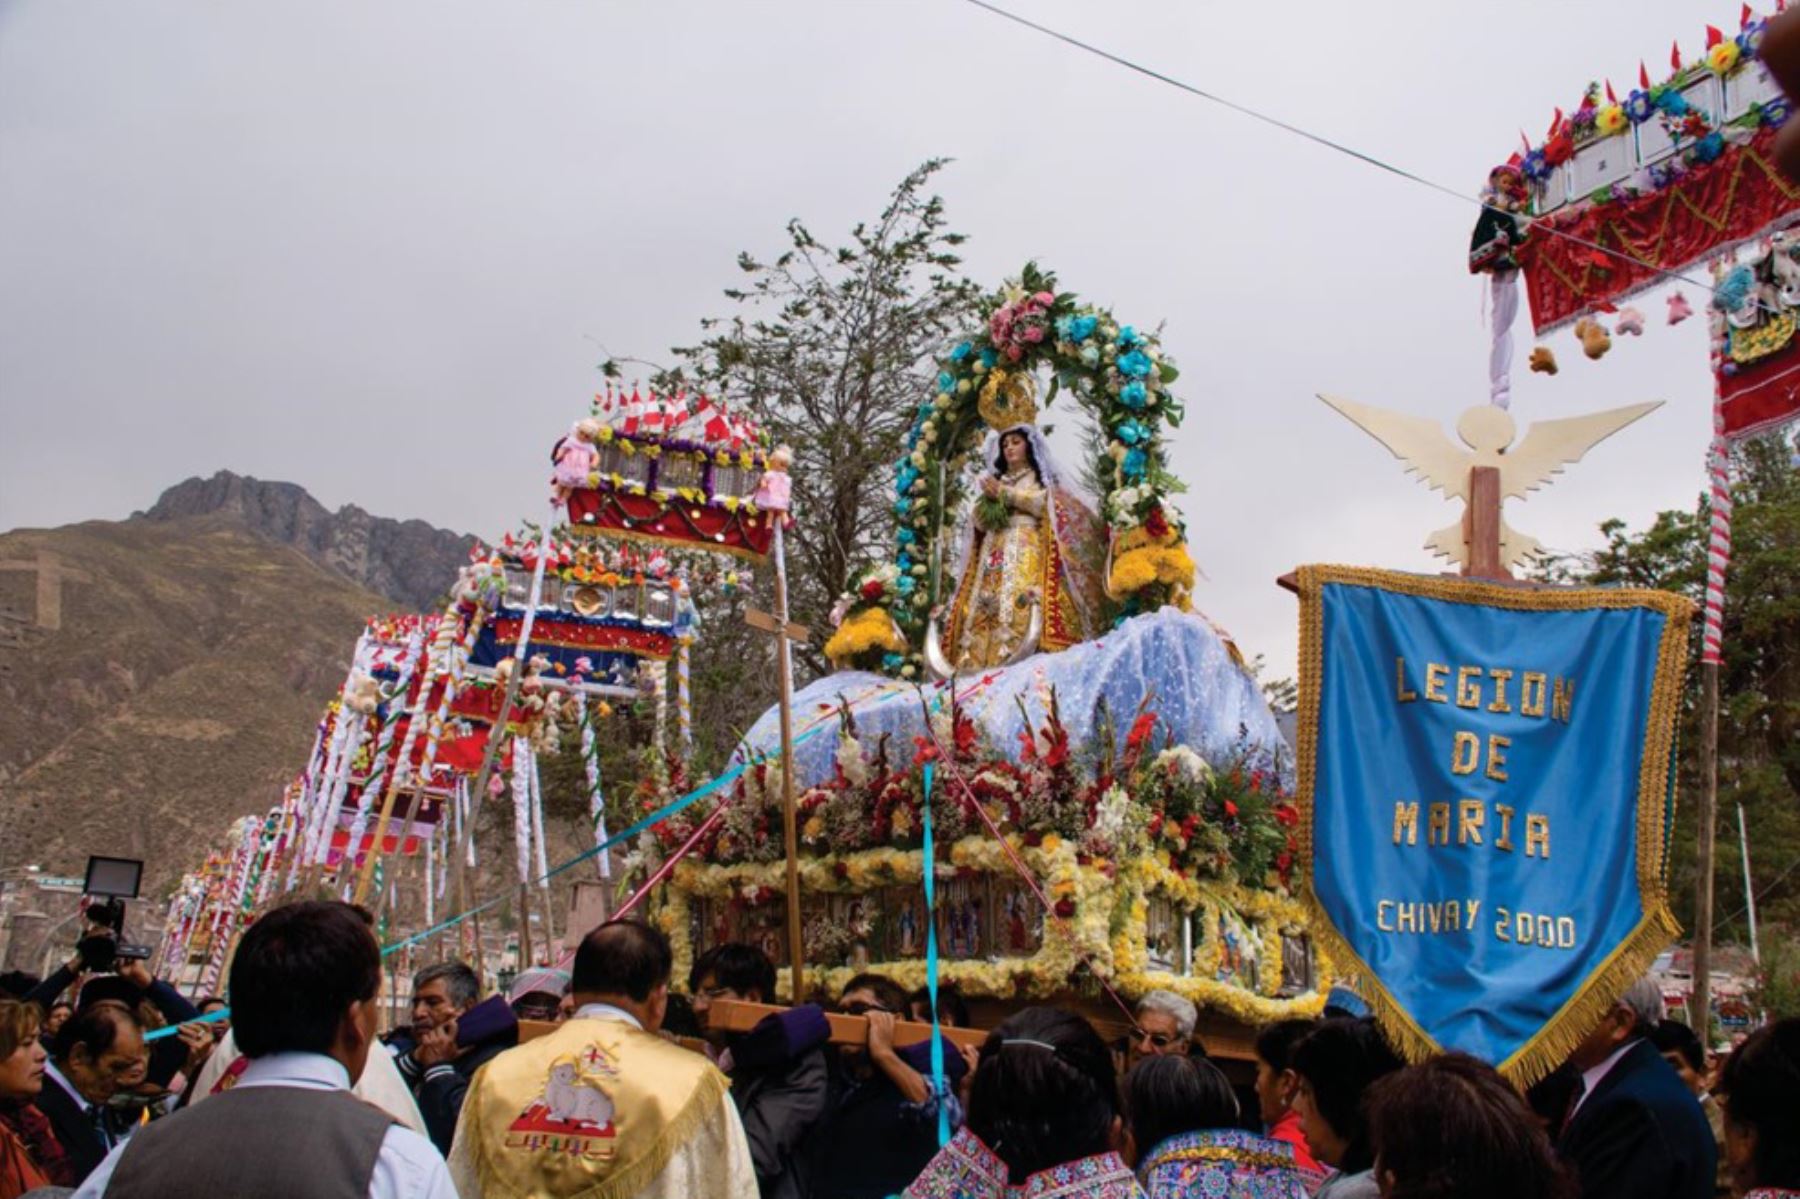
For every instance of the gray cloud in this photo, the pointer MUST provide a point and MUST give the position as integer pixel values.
(365, 247)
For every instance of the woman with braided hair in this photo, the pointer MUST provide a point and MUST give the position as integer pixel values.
(1043, 1118)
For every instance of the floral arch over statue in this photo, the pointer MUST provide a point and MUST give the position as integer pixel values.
(1043, 562)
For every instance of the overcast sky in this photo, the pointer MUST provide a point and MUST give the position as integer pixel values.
(370, 248)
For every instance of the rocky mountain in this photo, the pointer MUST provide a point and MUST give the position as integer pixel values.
(407, 560)
(164, 674)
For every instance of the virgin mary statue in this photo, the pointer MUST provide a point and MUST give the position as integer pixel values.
(1027, 574)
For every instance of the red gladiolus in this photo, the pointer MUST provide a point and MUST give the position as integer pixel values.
(1141, 728)
(1027, 746)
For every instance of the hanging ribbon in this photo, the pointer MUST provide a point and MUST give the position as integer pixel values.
(929, 871)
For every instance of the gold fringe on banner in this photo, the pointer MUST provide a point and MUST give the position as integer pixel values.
(1657, 925)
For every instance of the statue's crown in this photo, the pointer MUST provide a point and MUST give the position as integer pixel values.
(1008, 399)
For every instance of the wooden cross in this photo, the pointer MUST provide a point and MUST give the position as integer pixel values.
(50, 575)
(776, 625)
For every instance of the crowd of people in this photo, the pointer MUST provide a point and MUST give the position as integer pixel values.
(296, 1094)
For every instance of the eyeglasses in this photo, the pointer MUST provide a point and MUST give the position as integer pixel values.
(862, 1009)
(1159, 1040)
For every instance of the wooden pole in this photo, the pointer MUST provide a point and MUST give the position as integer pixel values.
(784, 664)
(1481, 525)
(1700, 1006)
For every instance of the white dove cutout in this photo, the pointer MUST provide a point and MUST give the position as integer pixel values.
(1487, 431)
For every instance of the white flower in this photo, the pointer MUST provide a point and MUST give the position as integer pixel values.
(850, 759)
(1188, 764)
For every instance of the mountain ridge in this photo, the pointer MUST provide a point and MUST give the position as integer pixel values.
(410, 561)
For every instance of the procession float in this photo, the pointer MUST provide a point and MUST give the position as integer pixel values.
(1024, 696)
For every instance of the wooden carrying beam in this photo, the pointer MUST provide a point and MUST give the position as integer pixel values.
(734, 1016)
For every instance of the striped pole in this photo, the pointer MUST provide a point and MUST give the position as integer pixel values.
(590, 762)
(411, 663)
(542, 852)
(684, 706)
(1718, 542)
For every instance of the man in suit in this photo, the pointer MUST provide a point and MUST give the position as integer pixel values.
(94, 1056)
(1634, 1131)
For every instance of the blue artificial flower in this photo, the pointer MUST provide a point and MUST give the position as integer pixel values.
(1709, 147)
(1136, 364)
(1082, 327)
(1535, 167)
(1672, 102)
(961, 352)
(1777, 111)
(944, 381)
(989, 357)
(1128, 337)
(904, 562)
(1134, 464)
(904, 584)
(1132, 396)
(1064, 324)
(1731, 292)
(892, 661)
(1131, 432)
(901, 506)
(904, 537)
(903, 482)
(1638, 106)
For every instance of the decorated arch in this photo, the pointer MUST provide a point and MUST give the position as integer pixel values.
(1118, 375)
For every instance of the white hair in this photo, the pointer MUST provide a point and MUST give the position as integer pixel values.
(1644, 1000)
(1182, 1011)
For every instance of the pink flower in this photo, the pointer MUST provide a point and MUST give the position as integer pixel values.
(1044, 298)
(1034, 334)
(1014, 353)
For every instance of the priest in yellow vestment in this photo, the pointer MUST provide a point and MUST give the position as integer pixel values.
(603, 1108)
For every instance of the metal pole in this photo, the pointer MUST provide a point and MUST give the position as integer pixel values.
(1749, 890)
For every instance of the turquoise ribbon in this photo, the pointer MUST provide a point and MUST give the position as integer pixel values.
(938, 1086)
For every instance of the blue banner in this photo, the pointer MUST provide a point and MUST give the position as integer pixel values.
(1485, 791)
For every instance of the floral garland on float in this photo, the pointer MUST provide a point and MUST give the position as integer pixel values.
(1161, 870)
(1120, 376)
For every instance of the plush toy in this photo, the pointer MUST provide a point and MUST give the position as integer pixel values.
(1543, 360)
(575, 456)
(363, 695)
(1630, 321)
(1679, 308)
(1593, 337)
(774, 488)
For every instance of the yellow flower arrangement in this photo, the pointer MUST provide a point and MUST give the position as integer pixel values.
(1121, 957)
(1611, 120)
(872, 628)
(1723, 57)
(1138, 568)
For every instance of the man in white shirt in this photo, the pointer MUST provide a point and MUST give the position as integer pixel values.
(303, 991)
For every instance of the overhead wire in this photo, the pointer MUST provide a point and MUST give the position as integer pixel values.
(1321, 140)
